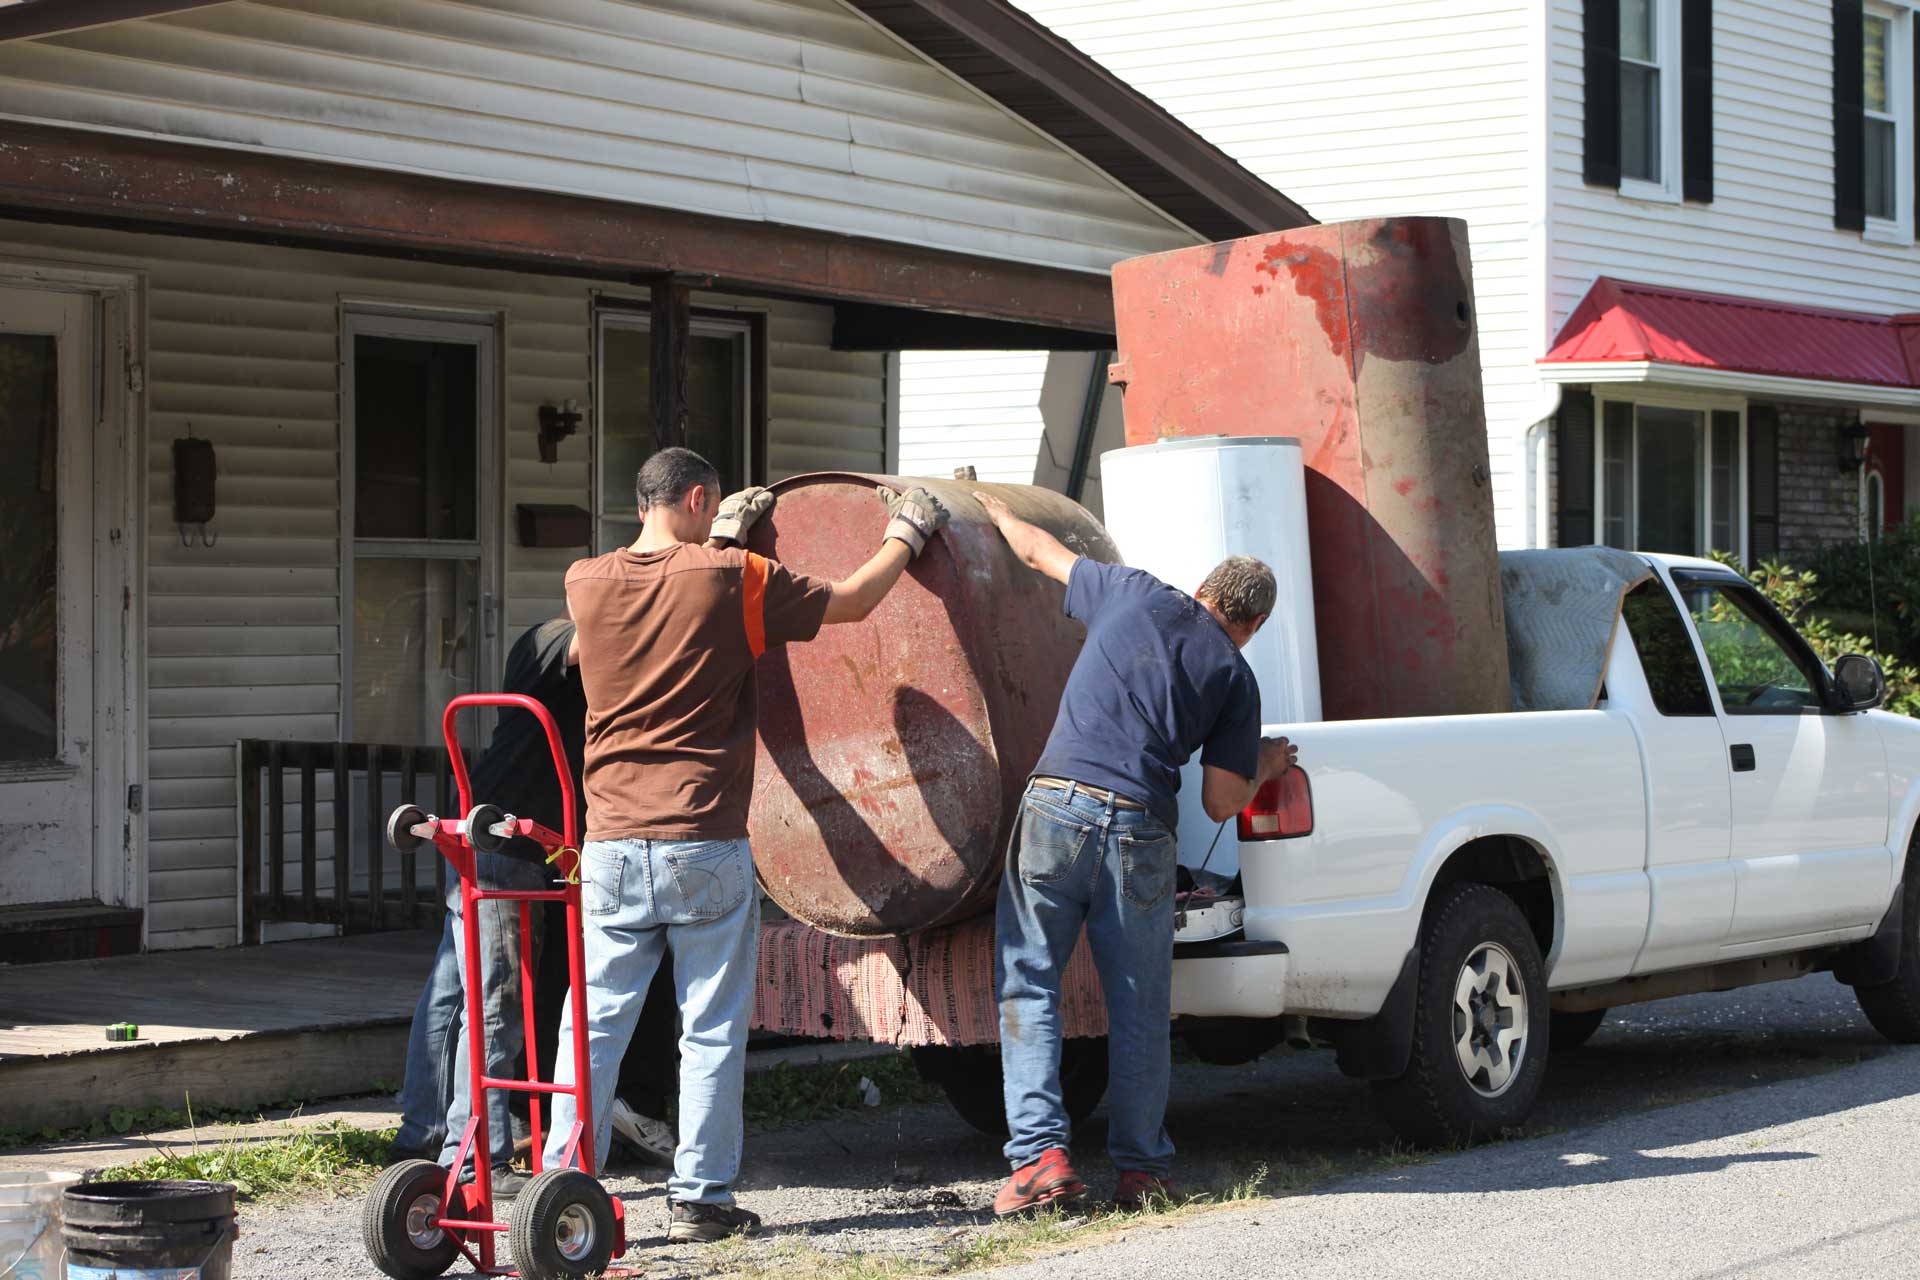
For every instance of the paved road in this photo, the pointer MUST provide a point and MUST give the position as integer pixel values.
(1816, 1177)
(1675, 1089)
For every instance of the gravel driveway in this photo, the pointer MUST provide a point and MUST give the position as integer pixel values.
(916, 1179)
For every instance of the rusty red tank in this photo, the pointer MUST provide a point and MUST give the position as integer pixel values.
(893, 752)
(1358, 338)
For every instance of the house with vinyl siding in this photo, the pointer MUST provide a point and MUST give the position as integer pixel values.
(1692, 227)
(332, 331)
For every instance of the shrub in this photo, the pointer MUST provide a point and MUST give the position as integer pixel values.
(1875, 588)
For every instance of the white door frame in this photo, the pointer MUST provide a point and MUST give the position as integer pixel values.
(119, 568)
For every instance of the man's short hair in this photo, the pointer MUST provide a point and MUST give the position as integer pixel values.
(666, 477)
(1241, 588)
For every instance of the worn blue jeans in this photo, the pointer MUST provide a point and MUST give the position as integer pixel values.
(641, 897)
(434, 1096)
(1079, 862)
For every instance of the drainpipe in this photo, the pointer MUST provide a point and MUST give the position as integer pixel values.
(1089, 423)
(1537, 458)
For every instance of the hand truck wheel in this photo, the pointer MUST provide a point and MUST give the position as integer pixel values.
(562, 1227)
(481, 820)
(400, 825)
(396, 1223)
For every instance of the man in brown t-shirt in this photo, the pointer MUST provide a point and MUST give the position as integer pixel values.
(667, 633)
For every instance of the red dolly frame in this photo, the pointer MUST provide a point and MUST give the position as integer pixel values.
(470, 1209)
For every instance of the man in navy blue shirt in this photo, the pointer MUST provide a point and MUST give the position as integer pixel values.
(1160, 676)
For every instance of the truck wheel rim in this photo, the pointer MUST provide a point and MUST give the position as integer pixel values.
(574, 1232)
(421, 1231)
(1490, 1019)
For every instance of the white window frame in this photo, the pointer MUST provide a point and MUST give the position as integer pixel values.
(1899, 228)
(480, 330)
(1694, 402)
(1869, 480)
(636, 319)
(1666, 37)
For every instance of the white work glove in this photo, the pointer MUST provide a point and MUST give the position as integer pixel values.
(913, 517)
(738, 511)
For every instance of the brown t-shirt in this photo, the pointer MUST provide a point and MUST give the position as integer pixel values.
(667, 646)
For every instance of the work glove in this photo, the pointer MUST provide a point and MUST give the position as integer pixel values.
(913, 517)
(738, 511)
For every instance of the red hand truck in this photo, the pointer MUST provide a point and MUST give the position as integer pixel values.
(419, 1216)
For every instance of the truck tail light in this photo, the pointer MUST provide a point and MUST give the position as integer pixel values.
(1281, 808)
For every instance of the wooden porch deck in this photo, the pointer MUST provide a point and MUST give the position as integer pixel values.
(238, 1026)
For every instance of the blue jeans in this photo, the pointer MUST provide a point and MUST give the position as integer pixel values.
(641, 897)
(1079, 862)
(434, 1097)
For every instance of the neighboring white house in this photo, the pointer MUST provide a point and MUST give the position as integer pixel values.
(1671, 148)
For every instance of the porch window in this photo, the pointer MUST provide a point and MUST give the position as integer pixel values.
(30, 536)
(720, 364)
(1670, 478)
(418, 524)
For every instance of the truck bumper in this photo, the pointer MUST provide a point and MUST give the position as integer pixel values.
(1230, 979)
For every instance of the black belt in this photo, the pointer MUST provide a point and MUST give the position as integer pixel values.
(1104, 797)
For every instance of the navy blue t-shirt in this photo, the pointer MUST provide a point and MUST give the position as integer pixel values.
(1157, 679)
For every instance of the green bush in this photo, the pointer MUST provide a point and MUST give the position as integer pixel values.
(1875, 589)
(1799, 595)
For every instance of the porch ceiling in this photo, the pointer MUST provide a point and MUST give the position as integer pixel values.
(85, 176)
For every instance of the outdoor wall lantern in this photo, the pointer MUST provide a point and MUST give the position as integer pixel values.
(557, 422)
(1853, 446)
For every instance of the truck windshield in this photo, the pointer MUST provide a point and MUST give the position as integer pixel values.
(1758, 670)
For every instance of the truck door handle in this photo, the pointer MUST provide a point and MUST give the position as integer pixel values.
(1742, 753)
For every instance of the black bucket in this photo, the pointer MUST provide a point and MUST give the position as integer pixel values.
(148, 1230)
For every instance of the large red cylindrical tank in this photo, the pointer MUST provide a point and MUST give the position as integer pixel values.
(1359, 339)
(893, 751)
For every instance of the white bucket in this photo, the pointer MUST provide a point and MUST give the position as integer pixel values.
(30, 1247)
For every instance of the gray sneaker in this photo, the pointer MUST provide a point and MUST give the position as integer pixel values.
(706, 1223)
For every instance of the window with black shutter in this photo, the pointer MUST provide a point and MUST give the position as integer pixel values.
(1649, 97)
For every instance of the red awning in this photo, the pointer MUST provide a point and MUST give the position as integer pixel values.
(1619, 322)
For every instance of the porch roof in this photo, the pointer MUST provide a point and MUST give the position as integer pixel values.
(999, 51)
(1623, 331)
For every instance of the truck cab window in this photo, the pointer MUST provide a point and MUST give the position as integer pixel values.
(1758, 670)
(1660, 636)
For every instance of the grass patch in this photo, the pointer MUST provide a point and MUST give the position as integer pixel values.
(788, 1095)
(330, 1159)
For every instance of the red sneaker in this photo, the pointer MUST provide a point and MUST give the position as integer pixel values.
(1137, 1190)
(1048, 1180)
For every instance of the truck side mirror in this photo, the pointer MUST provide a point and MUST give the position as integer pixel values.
(1859, 682)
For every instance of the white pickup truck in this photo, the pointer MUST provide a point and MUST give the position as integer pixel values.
(1446, 900)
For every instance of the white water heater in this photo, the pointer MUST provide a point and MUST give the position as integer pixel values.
(1180, 507)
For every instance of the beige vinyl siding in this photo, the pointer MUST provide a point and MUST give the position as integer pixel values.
(243, 638)
(1356, 110)
(800, 112)
(1769, 232)
(971, 408)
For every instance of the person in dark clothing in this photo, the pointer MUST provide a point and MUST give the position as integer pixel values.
(516, 773)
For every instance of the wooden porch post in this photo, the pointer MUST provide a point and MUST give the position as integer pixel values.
(671, 318)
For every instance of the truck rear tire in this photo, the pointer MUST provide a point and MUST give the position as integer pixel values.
(1571, 1030)
(969, 1075)
(1480, 1026)
(1894, 1007)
